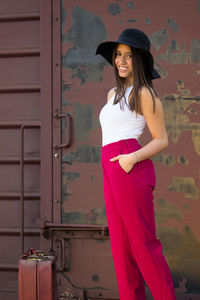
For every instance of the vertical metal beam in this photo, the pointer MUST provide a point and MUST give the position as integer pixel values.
(57, 135)
(46, 49)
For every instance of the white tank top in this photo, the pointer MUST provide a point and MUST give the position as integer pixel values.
(119, 123)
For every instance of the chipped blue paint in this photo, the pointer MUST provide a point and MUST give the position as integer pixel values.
(131, 5)
(94, 216)
(181, 57)
(63, 17)
(114, 9)
(195, 51)
(133, 21)
(172, 24)
(159, 38)
(84, 121)
(147, 21)
(86, 33)
(198, 5)
(84, 153)
(173, 46)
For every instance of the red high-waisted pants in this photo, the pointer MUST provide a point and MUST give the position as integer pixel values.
(137, 253)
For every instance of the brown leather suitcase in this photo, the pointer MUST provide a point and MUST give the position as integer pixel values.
(37, 276)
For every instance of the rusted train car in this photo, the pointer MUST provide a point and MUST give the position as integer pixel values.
(52, 87)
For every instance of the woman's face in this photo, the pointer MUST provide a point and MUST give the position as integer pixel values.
(123, 61)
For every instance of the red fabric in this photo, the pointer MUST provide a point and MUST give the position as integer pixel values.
(137, 253)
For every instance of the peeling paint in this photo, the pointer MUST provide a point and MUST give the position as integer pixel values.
(173, 46)
(182, 252)
(84, 121)
(114, 9)
(71, 175)
(176, 115)
(86, 33)
(63, 16)
(84, 153)
(133, 21)
(175, 58)
(198, 5)
(197, 73)
(195, 51)
(172, 24)
(181, 57)
(185, 185)
(183, 160)
(196, 140)
(158, 38)
(147, 21)
(131, 5)
(166, 159)
(94, 216)
(167, 211)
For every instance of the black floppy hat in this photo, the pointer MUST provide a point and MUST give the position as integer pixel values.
(132, 37)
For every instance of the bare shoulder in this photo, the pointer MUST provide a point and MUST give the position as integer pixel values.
(111, 93)
(147, 104)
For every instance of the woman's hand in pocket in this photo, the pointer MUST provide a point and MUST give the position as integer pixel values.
(126, 161)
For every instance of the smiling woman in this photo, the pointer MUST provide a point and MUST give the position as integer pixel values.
(123, 62)
(128, 173)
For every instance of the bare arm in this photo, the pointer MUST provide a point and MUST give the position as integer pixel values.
(110, 94)
(156, 125)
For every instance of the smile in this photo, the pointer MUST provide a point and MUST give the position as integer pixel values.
(123, 68)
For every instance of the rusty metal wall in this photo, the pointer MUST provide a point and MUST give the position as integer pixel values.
(19, 137)
(173, 27)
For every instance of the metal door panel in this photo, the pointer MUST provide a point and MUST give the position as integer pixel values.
(24, 34)
(16, 106)
(31, 178)
(8, 285)
(31, 208)
(19, 70)
(20, 6)
(86, 80)
(19, 137)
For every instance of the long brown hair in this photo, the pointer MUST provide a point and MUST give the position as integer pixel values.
(141, 78)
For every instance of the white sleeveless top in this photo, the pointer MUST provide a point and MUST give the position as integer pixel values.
(119, 123)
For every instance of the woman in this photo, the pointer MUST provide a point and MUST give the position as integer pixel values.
(128, 173)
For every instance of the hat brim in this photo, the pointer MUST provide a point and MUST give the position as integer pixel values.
(106, 49)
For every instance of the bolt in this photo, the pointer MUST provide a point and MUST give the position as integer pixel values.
(56, 155)
(56, 201)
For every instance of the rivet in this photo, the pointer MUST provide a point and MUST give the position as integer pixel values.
(56, 155)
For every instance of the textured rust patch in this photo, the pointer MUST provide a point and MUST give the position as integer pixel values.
(84, 153)
(183, 160)
(167, 211)
(166, 159)
(180, 249)
(185, 185)
(181, 57)
(176, 107)
(94, 216)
